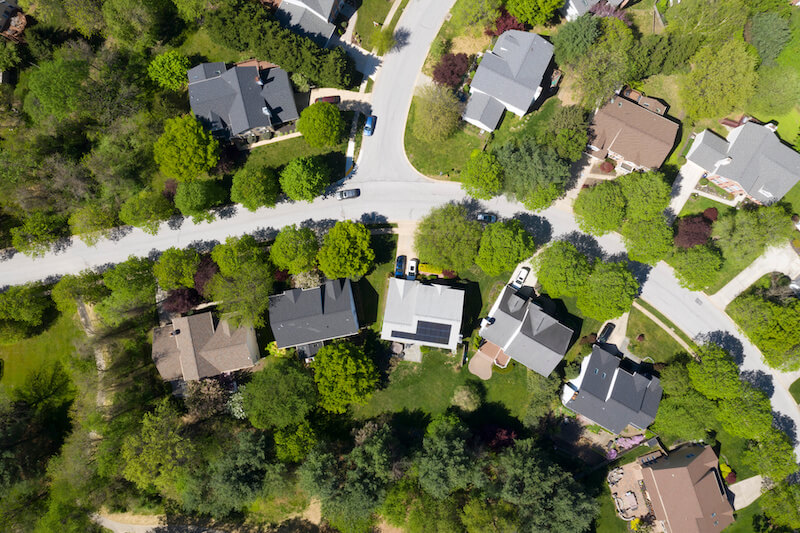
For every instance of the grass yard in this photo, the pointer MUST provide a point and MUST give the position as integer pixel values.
(531, 124)
(276, 155)
(372, 287)
(199, 48)
(688, 340)
(440, 159)
(745, 519)
(607, 520)
(698, 204)
(732, 448)
(730, 269)
(793, 198)
(657, 343)
(790, 56)
(370, 12)
(588, 326)
(397, 14)
(272, 509)
(795, 390)
(57, 342)
(429, 387)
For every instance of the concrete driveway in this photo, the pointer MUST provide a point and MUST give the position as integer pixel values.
(776, 259)
(682, 188)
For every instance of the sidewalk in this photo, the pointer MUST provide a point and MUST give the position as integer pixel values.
(776, 259)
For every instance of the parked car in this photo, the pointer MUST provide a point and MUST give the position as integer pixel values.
(487, 217)
(606, 333)
(369, 126)
(329, 99)
(400, 267)
(348, 193)
(413, 265)
(521, 277)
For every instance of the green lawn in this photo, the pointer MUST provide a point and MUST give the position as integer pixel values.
(795, 390)
(657, 343)
(276, 155)
(273, 509)
(372, 287)
(531, 124)
(688, 340)
(744, 519)
(440, 159)
(57, 342)
(429, 387)
(200, 48)
(730, 269)
(588, 326)
(699, 204)
(793, 198)
(607, 520)
(790, 56)
(732, 448)
(371, 11)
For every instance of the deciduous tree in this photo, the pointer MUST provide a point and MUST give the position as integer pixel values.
(747, 415)
(446, 464)
(304, 178)
(482, 176)
(136, 24)
(647, 241)
(716, 375)
(782, 505)
(254, 188)
(601, 208)
(169, 70)
(195, 198)
(321, 124)
(608, 292)
(437, 113)
(176, 268)
(146, 210)
(37, 233)
(698, 267)
(534, 174)
(574, 39)
(450, 70)
(295, 249)
(448, 238)
(345, 375)
(475, 13)
(503, 245)
(279, 395)
(238, 253)
(56, 88)
(293, 443)
(769, 33)
(773, 327)
(771, 456)
(693, 230)
(597, 83)
(646, 195)
(346, 251)
(533, 12)
(185, 149)
(562, 270)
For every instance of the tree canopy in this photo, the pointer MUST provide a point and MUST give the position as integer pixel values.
(716, 375)
(238, 253)
(609, 291)
(195, 198)
(482, 176)
(446, 464)
(769, 33)
(533, 12)
(437, 113)
(346, 251)
(600, 209)
(254, 188)
(295, 249)
(535, 175)
(345, 375)
(562, 270)
(698, 267)
(773, 327)
(169, 70)
(503, 245)
(279, 395)
(304, 178)
(176, 268)
(575, 38)
(185, 149)
(321, 124)
(448, 238)
(647, 241)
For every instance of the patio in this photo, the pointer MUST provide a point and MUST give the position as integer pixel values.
(628, 492)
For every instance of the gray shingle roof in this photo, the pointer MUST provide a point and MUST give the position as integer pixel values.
(485, 110)
(514, 69)
(583, 6)
(758, 160)
(304, 21)
(233, 101)
(527, 334)
(303, 316)
(613, 395)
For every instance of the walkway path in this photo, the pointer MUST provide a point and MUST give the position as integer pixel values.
(682, 188)
(665, 327)
(776, 259)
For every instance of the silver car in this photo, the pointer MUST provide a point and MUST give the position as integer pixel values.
(348, 193)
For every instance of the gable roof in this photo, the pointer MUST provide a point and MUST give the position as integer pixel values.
(582, 6)
(303, 316)
(423, 313)
(234, 101)
(612, 393)
(687, 492)
(484, 111)
(638, 134)
(753, 156)
(192, 348)
(526, 333)
(308, 18)
(513, 70)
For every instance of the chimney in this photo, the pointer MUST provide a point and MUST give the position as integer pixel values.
(258, 80)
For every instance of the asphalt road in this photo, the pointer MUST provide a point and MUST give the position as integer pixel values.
(392, 190)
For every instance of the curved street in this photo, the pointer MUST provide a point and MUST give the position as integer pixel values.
(392, 190)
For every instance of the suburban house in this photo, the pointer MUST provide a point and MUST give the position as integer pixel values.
(424, 314)
(752, 163)
(575, 8)
(310, 18)
(243, 102)
(508, 77)
(686, 491)
(12, 21)
(612, 392)
(306, 318)
(518, 328)
(633, 130)
(195, 347)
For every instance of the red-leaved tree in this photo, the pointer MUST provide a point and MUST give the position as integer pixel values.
(604, 9)
(204, 273)
(506, 21)
(692, 231)
(181, 300)
(711, 214)
(451, 69)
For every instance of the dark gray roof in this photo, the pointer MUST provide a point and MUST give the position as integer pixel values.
(614, 394)
(513, 70)
(583, 6)
(303, 316)
(232, 102)
(485, 110)
(526, 333)
(304, 21)
(753, 156)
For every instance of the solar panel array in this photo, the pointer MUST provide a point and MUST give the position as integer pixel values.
(427, 332)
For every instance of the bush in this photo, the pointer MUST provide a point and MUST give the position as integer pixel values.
(506, 21)
(451, 69)
(169, 70)
(437, 113)
(693, 231)
(769, 33)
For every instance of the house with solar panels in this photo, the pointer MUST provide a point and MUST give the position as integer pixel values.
(423, 314)
(243, 102)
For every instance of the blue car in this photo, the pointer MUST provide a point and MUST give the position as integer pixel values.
(369, 127)
(400, 267)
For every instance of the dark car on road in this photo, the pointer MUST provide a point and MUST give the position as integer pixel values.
(400, 267)
(487, 217)
(329, 99)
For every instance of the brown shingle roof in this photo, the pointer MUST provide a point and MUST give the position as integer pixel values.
(191, 348)
(687, 492)
(637, 134)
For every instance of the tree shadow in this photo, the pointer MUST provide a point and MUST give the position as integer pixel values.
(785, 423)
(539, 227)
(409, 427)
(320, 227)
(760, 380)
(60, 246)
(384, 247)
(558, 310)
(586, 244)
(473, 303)
(264, 234)
(373, 218)
(203, 247)
(118, 233)
(175, 222)
(401, 38)
(726, 341)
(7, 253)
(226, 211)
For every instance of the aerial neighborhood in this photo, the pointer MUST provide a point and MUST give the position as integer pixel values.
(423, 266)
